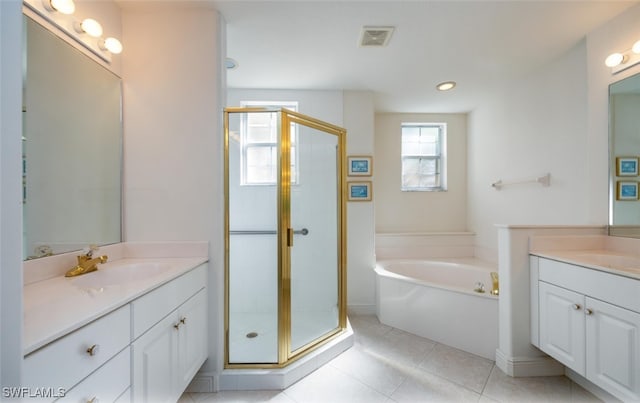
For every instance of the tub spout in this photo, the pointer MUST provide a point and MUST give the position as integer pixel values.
(495, 288)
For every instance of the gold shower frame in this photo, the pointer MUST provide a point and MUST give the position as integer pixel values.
(285, 238)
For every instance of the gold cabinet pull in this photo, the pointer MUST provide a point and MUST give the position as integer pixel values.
(577, 307)
(177, 326)
(588, 311)
(93, 350)
(183, 320)
(93, 400)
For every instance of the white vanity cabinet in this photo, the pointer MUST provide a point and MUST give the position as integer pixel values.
(55, 369)
(146, 349)
(589, 320)
(168, 354)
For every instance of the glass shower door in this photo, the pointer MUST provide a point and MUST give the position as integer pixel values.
(284, 219)
(315, 220)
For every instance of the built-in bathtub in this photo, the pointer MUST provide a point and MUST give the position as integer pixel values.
(439, 299)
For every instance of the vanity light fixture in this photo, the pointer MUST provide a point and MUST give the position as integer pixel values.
(111, 44)
(622, 61)
(446, 86)
(61, 6)
(89, 26)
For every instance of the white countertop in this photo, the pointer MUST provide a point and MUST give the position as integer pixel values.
(622, 264)
(59, 305)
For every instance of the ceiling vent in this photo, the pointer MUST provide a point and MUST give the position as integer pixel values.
(375, 36)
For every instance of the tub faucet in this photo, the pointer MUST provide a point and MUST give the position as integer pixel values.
(86, 262)
(495, 288)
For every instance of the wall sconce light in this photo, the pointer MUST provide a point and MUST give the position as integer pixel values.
(58, 13)
(622, 61)
(61, 6)
(88, 26)
(110, 44)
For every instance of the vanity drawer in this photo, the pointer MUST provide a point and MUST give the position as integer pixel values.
(152, 307)
(106, 384)
(618, 290)
(66, 361)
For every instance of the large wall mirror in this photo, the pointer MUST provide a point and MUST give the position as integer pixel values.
(72, 147)
(624, 155)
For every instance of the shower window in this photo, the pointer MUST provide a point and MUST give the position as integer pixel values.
(259, 142)
(423, 154)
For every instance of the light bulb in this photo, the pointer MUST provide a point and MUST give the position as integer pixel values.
(61, 6)
(446, 86)
(91, 27)
(614, 59)
(636, 48)
(112, 45)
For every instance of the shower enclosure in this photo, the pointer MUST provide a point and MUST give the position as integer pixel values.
(285, 234)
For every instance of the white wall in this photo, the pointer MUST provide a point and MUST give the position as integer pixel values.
(10, 192)
(526, 129)
(173, 135)
(398, 211)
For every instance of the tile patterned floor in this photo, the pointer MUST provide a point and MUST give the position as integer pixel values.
(389, 365)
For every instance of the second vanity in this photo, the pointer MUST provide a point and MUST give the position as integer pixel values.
(585, 313)
(134, 330)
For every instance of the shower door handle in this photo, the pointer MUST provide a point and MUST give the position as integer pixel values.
(290, 233)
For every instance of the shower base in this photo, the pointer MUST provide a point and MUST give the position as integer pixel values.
(278, 378)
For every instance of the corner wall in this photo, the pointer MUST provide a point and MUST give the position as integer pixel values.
(532, 127)
(173, 97)
(402, 212)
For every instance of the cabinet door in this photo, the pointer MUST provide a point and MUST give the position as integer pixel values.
(192, 338)
(562, 321)
(155, 363)
(613, 349)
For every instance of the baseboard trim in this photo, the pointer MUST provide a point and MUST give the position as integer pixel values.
(203, 383)
(528, 366)
(361, 310)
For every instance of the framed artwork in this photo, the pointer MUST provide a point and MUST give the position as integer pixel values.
(359, 165)
(359, 191)
(627, 166)
(627, 190)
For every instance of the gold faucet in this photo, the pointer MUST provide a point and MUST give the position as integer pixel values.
(495, 288)
(86, 263)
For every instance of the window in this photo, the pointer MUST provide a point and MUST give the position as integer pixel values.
(259, 142)
(423, 153)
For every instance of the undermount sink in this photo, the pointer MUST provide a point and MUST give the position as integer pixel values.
(117, 273)
(613, 261)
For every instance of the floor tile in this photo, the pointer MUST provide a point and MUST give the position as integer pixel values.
(458, 366)
(425, 387)
(329, 384)
(236, 396)
(371, 368)
(503, 388)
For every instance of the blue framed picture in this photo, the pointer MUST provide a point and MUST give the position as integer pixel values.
(359, 165)
(359, 191)
(627, 190)
(627, 166)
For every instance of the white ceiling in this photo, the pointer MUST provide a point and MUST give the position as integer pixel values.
(479, 44)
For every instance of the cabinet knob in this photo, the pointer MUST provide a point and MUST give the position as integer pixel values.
(577, 307)
(589, 311)
(176, 326)
(183, 320)
(93, 400)
(93, 350)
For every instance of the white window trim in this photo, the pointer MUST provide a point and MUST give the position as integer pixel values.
(244, 145)
(442, 157)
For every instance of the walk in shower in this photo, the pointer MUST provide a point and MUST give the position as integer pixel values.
(285, 234)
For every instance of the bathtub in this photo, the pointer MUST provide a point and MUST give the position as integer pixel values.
(436, 299)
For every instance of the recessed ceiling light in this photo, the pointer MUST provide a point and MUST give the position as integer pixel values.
(446, 86)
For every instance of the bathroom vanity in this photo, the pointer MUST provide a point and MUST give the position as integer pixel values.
(134, 330)
(585, 313)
